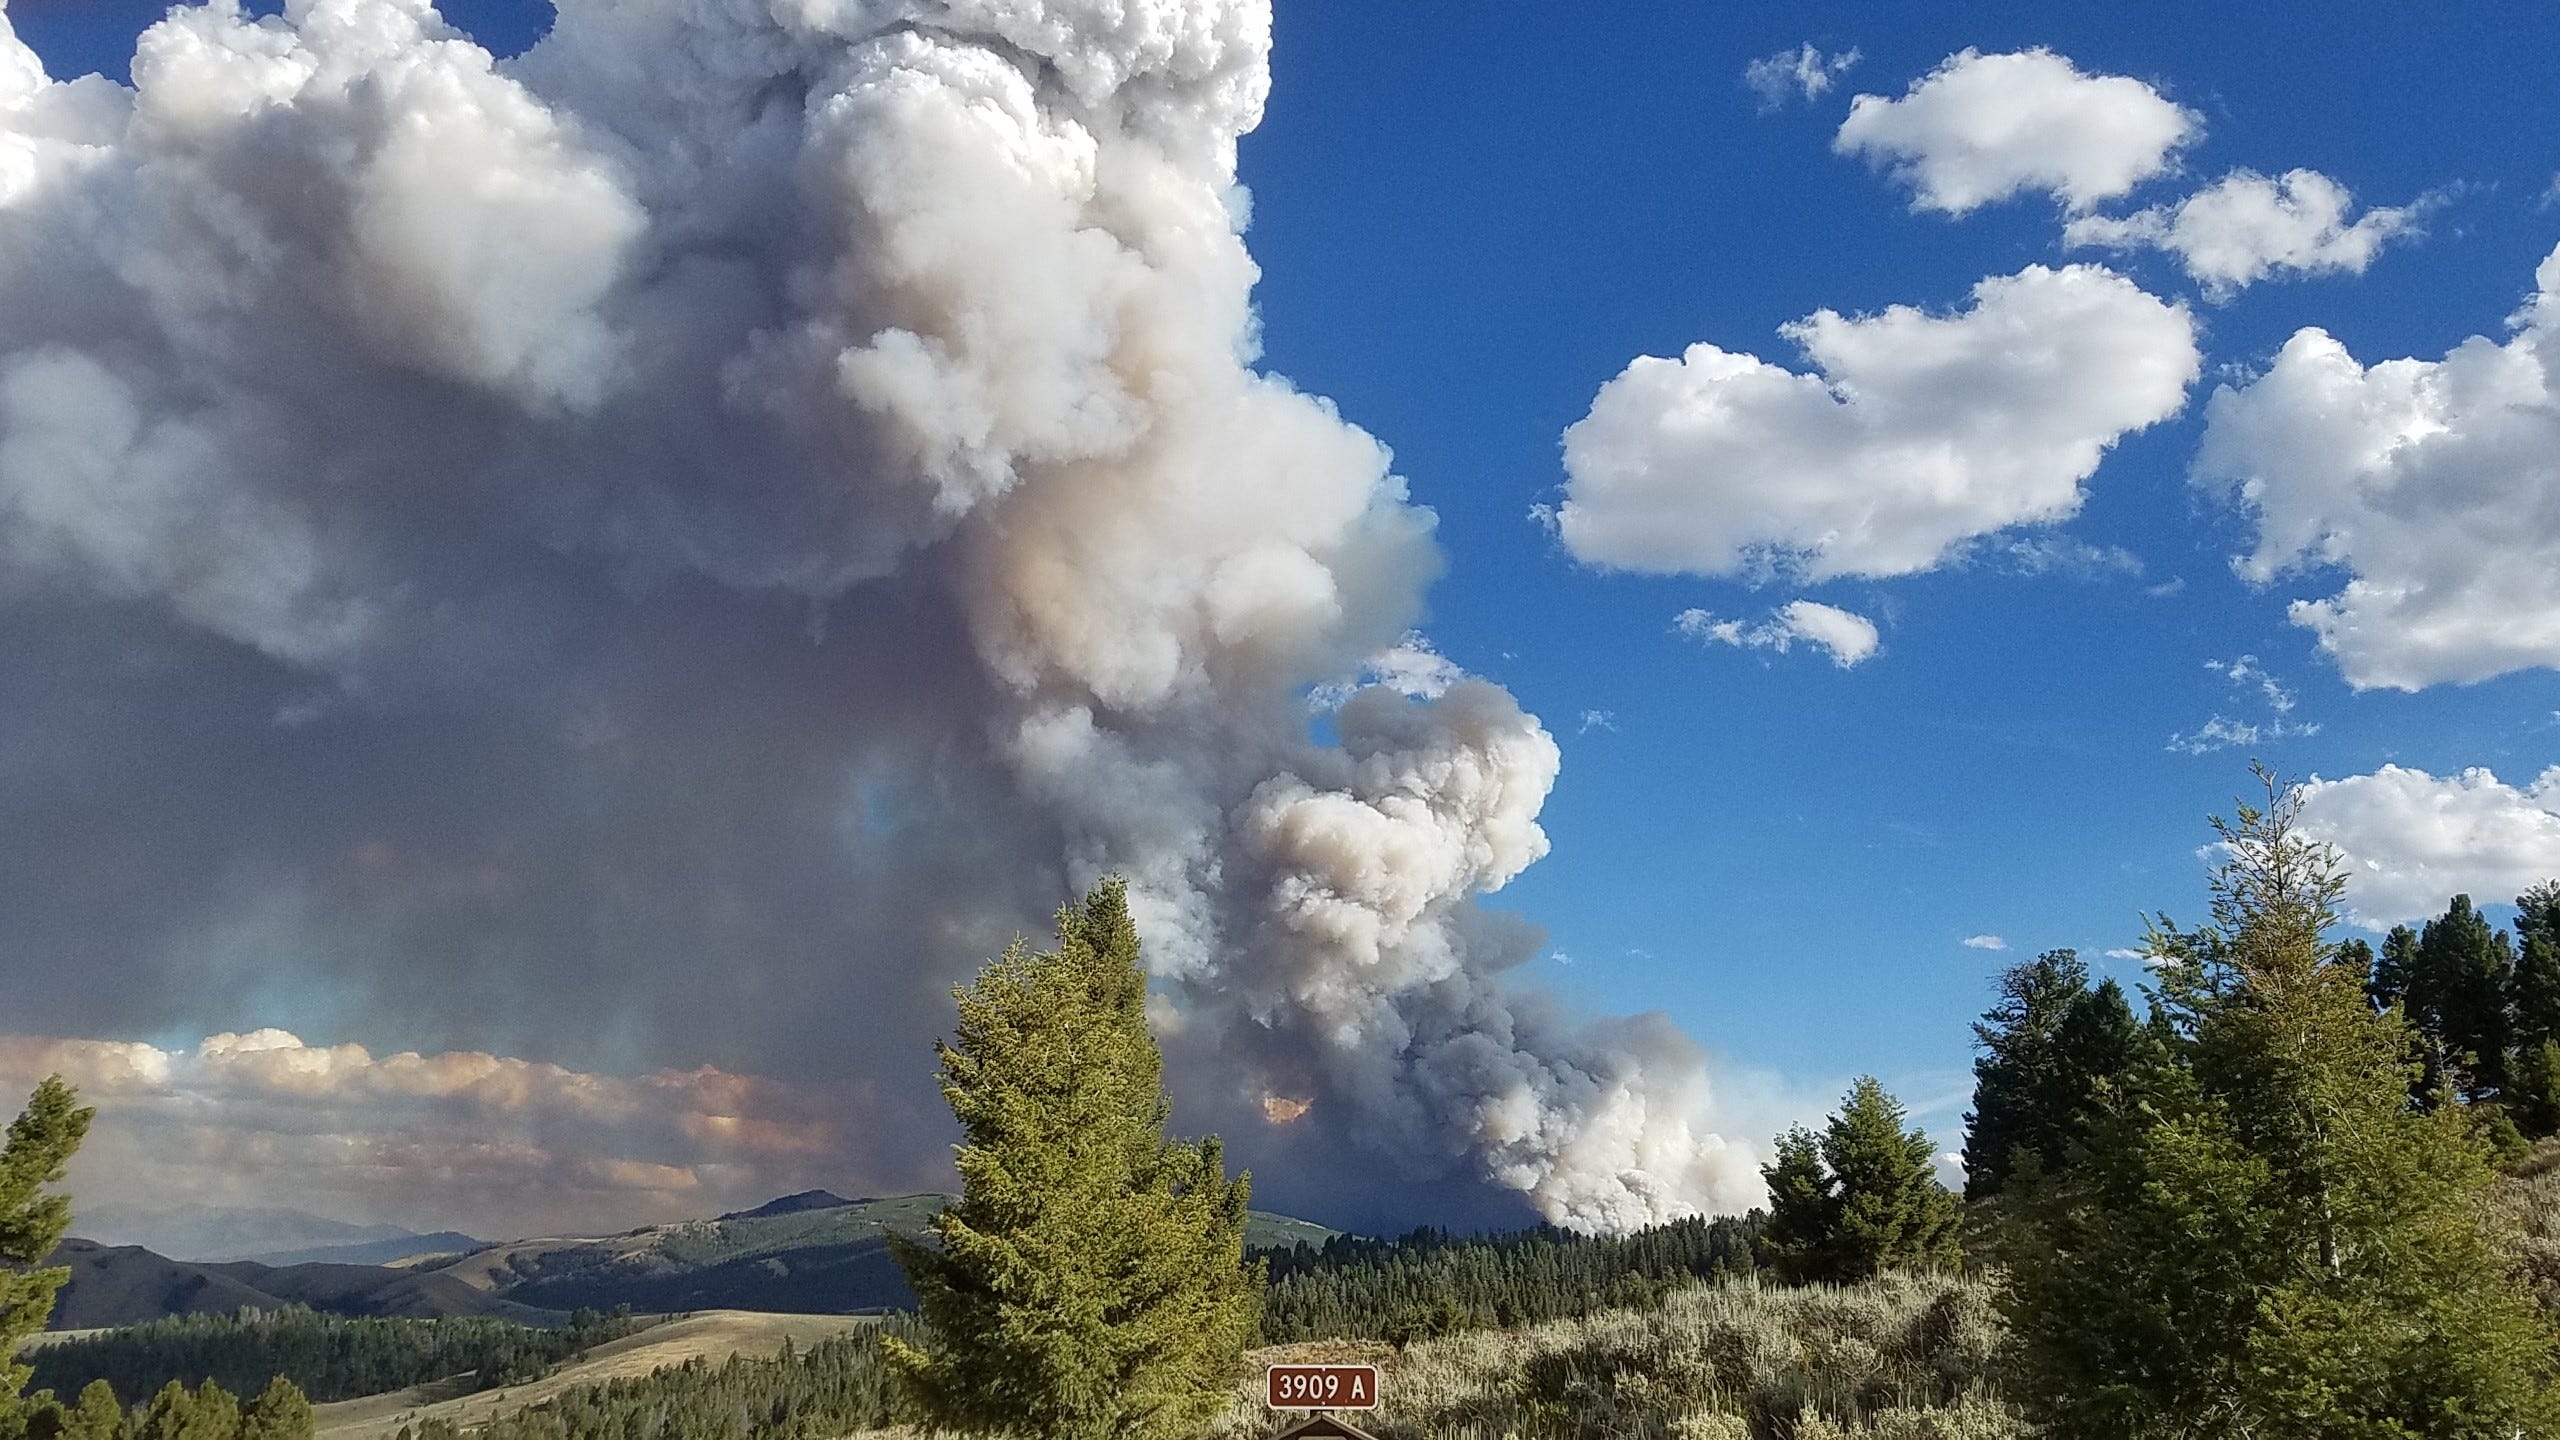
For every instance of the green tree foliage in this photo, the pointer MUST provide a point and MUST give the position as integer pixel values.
(2459, 997)
(2268, 1240)
(98, 1416)
(328, 1357)
(207, 1412)
(1090, 1279)
(834, 1388)
(281, 1412)
(2534, 1013)
(1432, 1280)
(2048, 1047)
(1862, 1199)
(32, 1222)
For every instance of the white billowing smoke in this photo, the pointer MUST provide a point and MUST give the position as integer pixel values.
(753, 498)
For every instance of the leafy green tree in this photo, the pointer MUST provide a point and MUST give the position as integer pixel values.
(1089, 1281)
(1863, 1199)
(281, 1412)
(2268, 1240)
(32, 1222)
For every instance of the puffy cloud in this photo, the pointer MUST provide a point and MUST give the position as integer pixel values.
(1985, 942)
(2246, 227)
(494, 1144)
(1916, 433)
(2412, 840)
(1848, 636)
(1981, 128)
(1803, 72)
(2434, 485)
(710, 527)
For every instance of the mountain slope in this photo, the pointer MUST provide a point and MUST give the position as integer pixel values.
(126, 1284)
(811, 1253)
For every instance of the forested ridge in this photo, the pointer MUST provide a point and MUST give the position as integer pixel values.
(1432, 1282)
(329, 1357)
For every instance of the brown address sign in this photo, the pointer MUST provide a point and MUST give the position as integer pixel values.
(1322, 1387)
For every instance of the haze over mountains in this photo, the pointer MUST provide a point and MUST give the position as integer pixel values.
(813, 1252)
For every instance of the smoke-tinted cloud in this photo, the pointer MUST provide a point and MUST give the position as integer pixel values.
(2413, 840)
(489, 1143)
(1916, 434)
(669, 549)
(2433, 484)
(1981, 128)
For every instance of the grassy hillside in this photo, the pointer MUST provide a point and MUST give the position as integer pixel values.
(713, 1336)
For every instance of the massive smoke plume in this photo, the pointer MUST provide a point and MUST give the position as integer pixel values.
(673, 546)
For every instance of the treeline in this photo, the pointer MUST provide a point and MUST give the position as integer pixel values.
(2485, 1007)
(835, 1387)
(1432, 1282)
(328, 1357)
(208, 1412)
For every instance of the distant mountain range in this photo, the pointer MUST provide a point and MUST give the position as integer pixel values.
(810, 1253)
(272, 1235)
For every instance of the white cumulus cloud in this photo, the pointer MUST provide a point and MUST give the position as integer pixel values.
(1915, 434)
(1981, 128)
(2433, 485)
(1985, 942)
(1802, 72)
(1848, 636)
(2413, 840)
(2247, 227)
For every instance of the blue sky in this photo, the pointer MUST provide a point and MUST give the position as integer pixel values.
(1469, 222)
(1465, 230)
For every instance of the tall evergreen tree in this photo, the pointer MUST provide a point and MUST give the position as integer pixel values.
(1864, 1198)
(2466, 971)
(2048, 1049)
(2269, 1241)
(1804, 1210)
(2017, 1077)
(2533, 1009)
(32, 1222)
(1089, 1282)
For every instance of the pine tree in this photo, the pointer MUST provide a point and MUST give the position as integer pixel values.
(1804, 1210)
(2049, 1047)
(2467, 971)
(40, 1145)
(1893, 1212)
(1862, 1199)
(98, 1416)
(2269, 1241)
(2017, 1076)
(281, 1412)
(1089, 1280)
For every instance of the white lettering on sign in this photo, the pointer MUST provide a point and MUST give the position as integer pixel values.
(1322, 1387)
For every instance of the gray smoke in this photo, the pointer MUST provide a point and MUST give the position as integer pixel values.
(677, 544)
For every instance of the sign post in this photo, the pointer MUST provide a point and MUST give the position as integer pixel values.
(1321, 1388)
